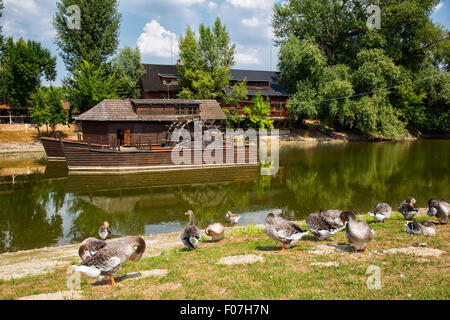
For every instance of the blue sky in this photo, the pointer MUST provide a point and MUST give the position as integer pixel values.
(151, 24)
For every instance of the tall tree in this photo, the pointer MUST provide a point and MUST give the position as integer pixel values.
(127, 65)
(96, 40)
(90, 85)
(206, 63)
(1, 33)
(24, 64)
(339, 70)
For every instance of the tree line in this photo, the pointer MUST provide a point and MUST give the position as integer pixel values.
(380, 81)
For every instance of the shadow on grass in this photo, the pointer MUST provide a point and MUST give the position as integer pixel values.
(342, 247)
(133, 275)
(268, 248)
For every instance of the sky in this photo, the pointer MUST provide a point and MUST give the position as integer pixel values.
(155, 27)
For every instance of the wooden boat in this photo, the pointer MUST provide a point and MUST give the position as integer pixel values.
(53, 148)
(82, 156)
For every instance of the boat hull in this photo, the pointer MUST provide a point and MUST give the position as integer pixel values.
(83, 157)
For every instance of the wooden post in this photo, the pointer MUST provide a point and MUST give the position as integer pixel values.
(118, 145)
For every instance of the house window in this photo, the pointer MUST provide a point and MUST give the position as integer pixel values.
(278, 106)
(258, 85)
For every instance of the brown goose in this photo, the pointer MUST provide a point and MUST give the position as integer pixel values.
(191, 235)
(89, 247)
(425, 228)
(104, 231)
(111, 257)
(406, 208)
(285, 232)
(232, 218)
(359, 233)
(323, 224)
(215, 231)
(440, 209)
(381, 212)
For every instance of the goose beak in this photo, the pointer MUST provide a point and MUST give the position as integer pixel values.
(131, 259)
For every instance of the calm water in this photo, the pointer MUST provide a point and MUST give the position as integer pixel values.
(50, 207)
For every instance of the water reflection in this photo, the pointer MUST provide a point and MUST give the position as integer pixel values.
(50, 207)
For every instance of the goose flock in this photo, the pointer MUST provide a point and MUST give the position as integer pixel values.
(102, 259)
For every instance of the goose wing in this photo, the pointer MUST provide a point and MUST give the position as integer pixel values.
(89, 247)
(286, 227)
(107, 259)
(190, 235)
(316, 221)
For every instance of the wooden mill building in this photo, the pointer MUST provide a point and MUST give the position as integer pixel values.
(143, 121)
(161, 82)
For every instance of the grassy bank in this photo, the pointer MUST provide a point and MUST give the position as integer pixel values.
(301, 272)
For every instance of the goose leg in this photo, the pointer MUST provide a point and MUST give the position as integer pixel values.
(365, 249)
(113, 283)
(354, 250)
(282, 247)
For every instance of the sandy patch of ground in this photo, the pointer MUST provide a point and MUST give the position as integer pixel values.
(325, 264)
(243, 259)
(148, 273)
(417, 251)
(61, 295)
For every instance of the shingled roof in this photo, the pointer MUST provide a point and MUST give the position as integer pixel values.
(125, 110)
(151, 81)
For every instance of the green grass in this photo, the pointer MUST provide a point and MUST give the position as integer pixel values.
(283, 275)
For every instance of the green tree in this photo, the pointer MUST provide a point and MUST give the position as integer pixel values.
(47, 108)
(39, 112)
(57, 114)
(90, 85)
(234, 119)
(23, 65)
(338, 70)
(98, 37)
(236, 94)
(1, 33)
(206, 63)
(127, 65)
(258, 113)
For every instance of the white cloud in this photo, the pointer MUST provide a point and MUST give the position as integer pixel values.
(156, 41)
(438, 7)
(212, 5)
(247, 56)
(252, 4)
(29, 18)
(251, 22)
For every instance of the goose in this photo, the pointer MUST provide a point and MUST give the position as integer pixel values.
(89, 247)
(381, 212)
(285, 232)
(191, 235)
(425, 228)
(232, 218)
(104, 230)
(406, 208)
(358, 233)
(215, 231)
(111, 257)
(323, 224)
(440, 209)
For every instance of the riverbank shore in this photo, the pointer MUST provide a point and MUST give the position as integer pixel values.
(246, 264)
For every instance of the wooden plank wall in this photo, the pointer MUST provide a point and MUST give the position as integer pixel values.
(80, 155)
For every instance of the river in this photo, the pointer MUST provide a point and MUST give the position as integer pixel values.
(42, 205)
